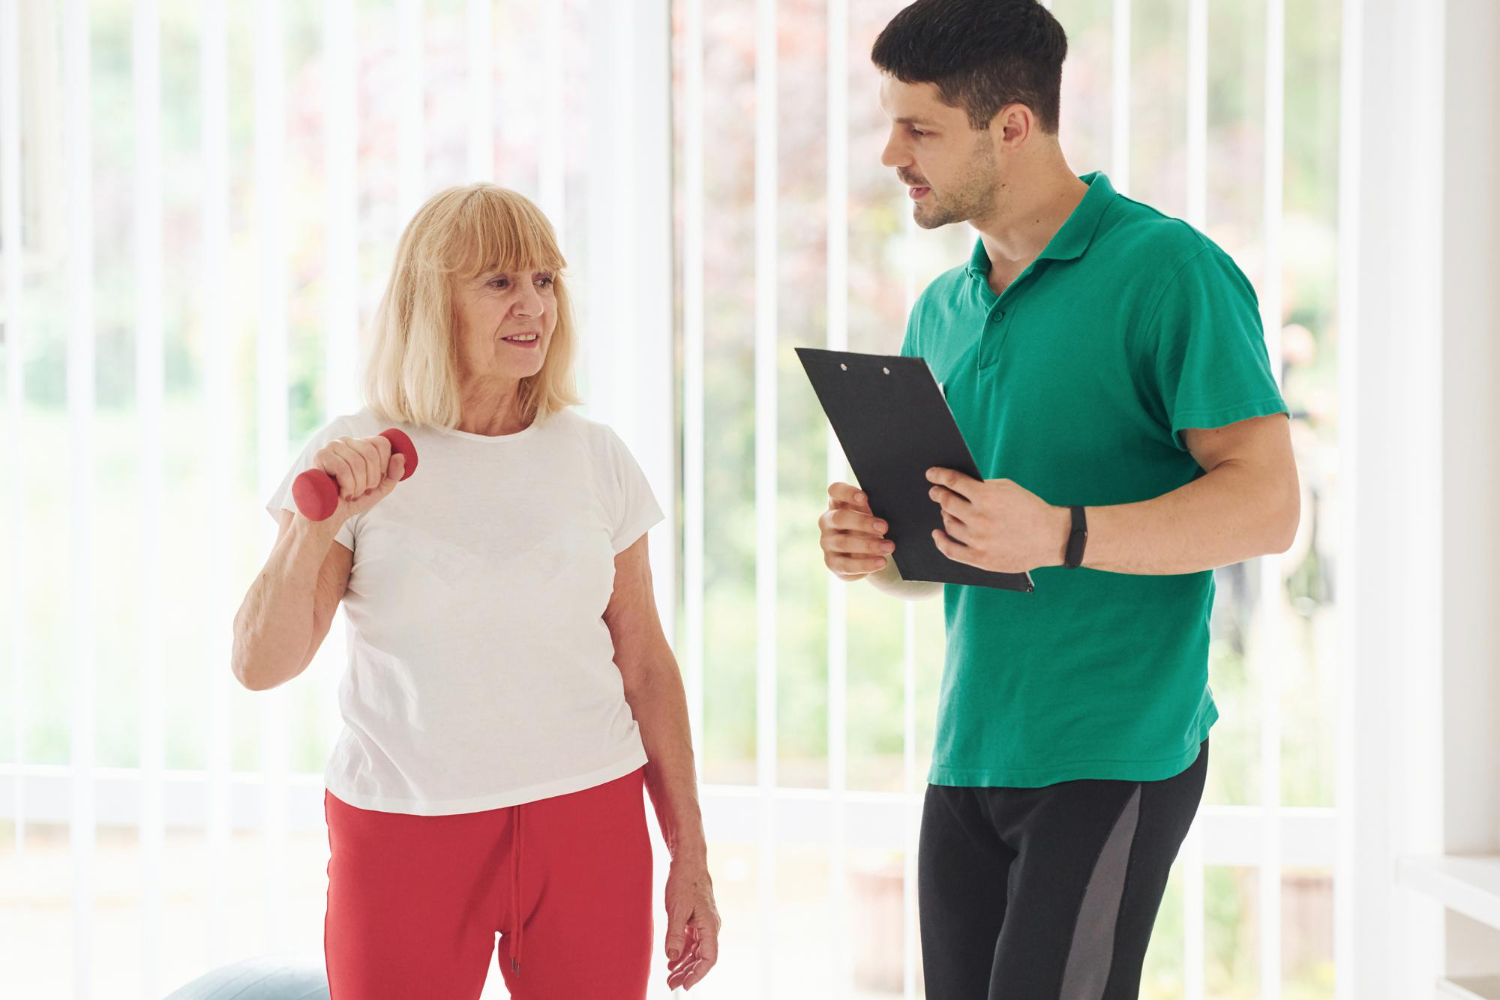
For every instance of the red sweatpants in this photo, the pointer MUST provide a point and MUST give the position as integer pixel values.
(415, 902)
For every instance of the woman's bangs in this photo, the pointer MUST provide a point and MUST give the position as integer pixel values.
(504, 234)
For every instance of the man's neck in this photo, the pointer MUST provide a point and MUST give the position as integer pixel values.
(1032, 212)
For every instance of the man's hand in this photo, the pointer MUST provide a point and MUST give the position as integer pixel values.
(996, 524)
(853, 538)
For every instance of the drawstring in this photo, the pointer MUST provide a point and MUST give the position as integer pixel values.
(515, 896)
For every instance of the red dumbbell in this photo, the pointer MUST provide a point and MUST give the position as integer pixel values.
(317, 493)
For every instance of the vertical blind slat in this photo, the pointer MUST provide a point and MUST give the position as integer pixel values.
(1272, 638)
(271, 423)
(1120, 98)
(909, 778)
(552, 184)
(341, 295)
(146, 84)
(1197, 211)
(841, 965)
(1350, 683)
(15, 389)
(693, 455)
(411, 142)
(479, 75)
(216, 332)
(765, 473)
(78, 146)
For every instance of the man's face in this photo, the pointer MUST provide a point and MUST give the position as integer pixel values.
(948, 167)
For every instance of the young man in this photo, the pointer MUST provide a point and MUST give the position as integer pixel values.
(1109, 363)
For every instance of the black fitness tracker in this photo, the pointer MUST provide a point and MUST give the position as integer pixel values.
(1077, 539)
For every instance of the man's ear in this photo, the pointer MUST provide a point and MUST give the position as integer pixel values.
(1013, 125)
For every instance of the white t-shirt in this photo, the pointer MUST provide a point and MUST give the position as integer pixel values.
(481, 673)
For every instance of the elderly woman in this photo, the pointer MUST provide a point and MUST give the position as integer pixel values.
(509, 689)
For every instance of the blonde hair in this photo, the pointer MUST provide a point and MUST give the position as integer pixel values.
(462, 232)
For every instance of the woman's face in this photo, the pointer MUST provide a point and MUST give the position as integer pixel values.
(506, 321)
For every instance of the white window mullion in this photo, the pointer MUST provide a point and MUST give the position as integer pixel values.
(1351, 684)
(78, 142)
(911, 797)
(644, 205)
(411, 152)
(552, 184)
(624, 136)
(911, 785)
(218, 734)
(1233, 835)
(693, 454)
(341, 291)
(340, 206)
(480, 79)
(841, 959)
(15, 389)
(765, 475)
(146, 80)
(1120, 98)
(1271, 637)
(1275, 143)
(271, 421)
(1197, 114)
(1193, 936)
(599, 278)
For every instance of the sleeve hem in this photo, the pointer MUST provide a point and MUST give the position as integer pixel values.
(1223, 416)
(344, 537)
(632, 532)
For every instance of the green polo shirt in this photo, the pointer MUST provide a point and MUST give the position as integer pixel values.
(1077, 383)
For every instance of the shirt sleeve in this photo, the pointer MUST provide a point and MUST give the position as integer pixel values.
(635, 507)
(1208, 365)
(281, 499)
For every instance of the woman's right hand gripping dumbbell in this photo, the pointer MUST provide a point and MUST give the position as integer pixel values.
(289, 608)
(350, 475)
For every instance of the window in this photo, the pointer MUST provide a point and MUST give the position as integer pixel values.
(818, 699)
(206, 199)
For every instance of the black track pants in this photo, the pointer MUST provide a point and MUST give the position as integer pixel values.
(1047, 893)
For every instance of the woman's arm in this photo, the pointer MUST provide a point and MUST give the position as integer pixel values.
(290, 607)
(653, 687)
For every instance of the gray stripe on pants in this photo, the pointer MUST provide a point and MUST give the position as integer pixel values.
(1093, 947)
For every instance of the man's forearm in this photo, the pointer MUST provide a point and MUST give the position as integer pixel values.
(1224, 517)
(888, 580)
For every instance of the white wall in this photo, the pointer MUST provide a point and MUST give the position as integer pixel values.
(1420, 759)
(1471, 468)
(1471, 458)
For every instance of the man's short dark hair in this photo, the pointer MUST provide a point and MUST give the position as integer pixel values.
(981, 54)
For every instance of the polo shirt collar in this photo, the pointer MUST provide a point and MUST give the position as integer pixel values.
(1069, 242)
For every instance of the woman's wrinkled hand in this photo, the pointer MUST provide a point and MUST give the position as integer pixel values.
(692, 924)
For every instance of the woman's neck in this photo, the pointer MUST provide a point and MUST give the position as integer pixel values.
(491, 407)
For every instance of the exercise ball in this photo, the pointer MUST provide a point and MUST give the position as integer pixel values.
(267, 978)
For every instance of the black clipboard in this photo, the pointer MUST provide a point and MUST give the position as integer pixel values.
(891, 418)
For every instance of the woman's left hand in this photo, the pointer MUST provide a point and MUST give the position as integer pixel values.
(692, 924)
